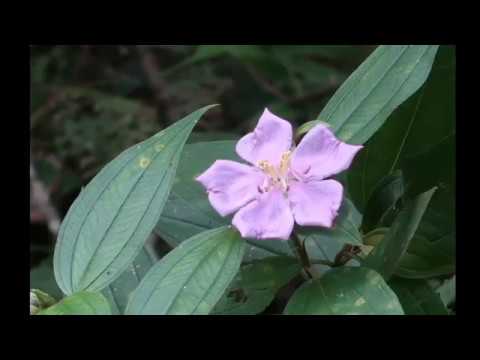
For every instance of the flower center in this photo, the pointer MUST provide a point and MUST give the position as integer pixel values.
(277, 175)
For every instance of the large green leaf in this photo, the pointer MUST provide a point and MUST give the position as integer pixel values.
(432, 250)
(382, 204)
(210, 136)
(81, 303)
(434, 167)
(192, 277)
(112, 217)
(385, 257)
(188, 211)
(255, 286)
(118, 292)
(417, 298)
(389, 76)
(425, 119)
(345, 291)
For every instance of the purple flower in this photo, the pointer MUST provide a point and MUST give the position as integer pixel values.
(284, 184)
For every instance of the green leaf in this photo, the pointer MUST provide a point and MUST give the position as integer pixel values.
(434, 167)
(81, 303)
(255, 286)
(425, 119)
(345, 291)
(417, 298)
(429, 255)
(325, 244)
(422, 267)
(382, 204)
(386, 257)
(374, 237)
(211, 136)
(389, 76)
(447, 291)
(112, 217)
(192, 277)
(118, 292)
(432, 250)
(188, 211)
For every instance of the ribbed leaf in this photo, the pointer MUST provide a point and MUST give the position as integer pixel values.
(382, 204)
(255, 286)
(112, 217)
(385, 257)
(432, 250)
(345, 291)
(81, 303)
(389, 76)
(417, 298)
(192, 277)
(425, 119)
(118, 292)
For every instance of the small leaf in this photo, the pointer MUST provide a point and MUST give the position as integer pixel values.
(374, 237)
(112, 217)
(118, 292)
(447, 291)
(81, 303)
(255, 286)
(345, 291)
(385, 257)
(389, 76)
(40, 300)
(417, 298)
(192, 277)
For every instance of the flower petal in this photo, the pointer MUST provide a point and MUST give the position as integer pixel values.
(320, 154)
(315, 203)
(267, 217)
(230, 185)
(271, 137)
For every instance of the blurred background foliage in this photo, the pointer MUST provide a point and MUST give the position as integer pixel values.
(89, 103)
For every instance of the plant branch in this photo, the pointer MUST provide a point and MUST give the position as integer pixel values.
(301, 253)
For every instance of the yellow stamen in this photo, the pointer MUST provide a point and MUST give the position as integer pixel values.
(285, 162)
(267, 168)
